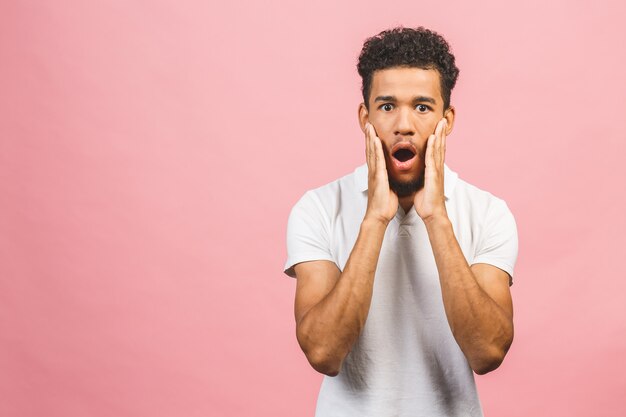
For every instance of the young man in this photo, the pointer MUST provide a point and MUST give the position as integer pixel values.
(403, 269)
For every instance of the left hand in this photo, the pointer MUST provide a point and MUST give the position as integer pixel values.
(429, 202)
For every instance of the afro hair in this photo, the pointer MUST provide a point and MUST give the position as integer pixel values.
(406, 47)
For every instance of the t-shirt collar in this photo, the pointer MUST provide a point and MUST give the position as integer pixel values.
(449, 179)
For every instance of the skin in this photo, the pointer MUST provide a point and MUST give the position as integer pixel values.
(331, 306)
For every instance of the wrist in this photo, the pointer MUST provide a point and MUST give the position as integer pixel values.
(437, 221)
(375, 221)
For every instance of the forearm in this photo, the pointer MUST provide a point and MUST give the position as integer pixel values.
(328, 330)
(483, 329)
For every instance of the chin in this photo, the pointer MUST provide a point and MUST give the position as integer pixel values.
(406, 186)
(412, 176)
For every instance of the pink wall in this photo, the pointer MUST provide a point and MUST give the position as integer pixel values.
(150, 153)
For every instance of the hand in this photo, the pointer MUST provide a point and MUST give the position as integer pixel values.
(429, 202)
(382, 203)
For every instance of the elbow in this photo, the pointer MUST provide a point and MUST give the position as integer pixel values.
(323, 359)
(323, 362)
(489, 359)
(492, 354)
(487, 362)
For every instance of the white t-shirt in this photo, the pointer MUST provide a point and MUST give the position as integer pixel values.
(406, 361)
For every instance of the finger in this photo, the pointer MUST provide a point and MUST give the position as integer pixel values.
(380, 157)
(439, 127)
(440, 143)
(429, 150)
(368, 146)
(371, 130)
(443, 143)
(375, 141)
(439, 131)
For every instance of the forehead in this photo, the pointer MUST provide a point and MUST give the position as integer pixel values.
(406, 83)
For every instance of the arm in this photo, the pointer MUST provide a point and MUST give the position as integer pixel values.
(331, 306)
(477, 299)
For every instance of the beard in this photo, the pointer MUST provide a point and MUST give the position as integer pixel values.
(406, 188)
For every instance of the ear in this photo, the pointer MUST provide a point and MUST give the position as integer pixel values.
(449, 116)
(363, 116)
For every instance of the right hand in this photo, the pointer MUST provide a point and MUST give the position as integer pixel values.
(382, 202)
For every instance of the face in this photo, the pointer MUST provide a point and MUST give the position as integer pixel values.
(405, 105)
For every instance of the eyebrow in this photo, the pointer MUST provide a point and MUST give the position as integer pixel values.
(415, 99)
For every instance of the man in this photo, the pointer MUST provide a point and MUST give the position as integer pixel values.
(403, 269)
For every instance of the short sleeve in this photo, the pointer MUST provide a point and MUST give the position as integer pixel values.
(308, 233)
(498, 242)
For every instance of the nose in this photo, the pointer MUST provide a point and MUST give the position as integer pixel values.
(404, 123)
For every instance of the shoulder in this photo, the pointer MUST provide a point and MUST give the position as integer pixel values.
(480, 216)
(470, 198)
(489, 224)
(329, 197)
(312, 225)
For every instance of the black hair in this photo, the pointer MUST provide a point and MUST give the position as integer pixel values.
(406, 47)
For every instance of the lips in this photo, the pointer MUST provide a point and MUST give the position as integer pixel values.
(403, 155)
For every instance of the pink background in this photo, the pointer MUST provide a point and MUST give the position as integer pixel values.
(150, 153)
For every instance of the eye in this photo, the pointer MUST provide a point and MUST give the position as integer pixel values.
(387, 107)
(422, 108)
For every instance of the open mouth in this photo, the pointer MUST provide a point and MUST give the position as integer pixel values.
(403, 154)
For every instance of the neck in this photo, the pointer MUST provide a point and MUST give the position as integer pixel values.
(406, 202)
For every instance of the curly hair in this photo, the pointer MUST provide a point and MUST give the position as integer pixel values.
(406, 47)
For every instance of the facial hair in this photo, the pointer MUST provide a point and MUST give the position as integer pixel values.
(406, 188)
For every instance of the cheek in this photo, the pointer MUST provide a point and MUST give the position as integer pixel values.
(427, 127)
(383, 129)
(382, 132)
